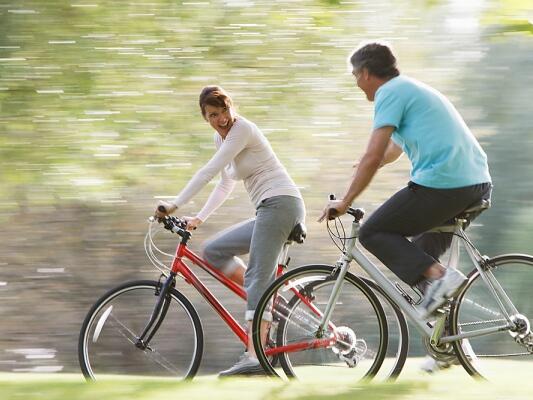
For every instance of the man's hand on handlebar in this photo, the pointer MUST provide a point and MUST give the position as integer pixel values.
(164, 208)
(333, 209)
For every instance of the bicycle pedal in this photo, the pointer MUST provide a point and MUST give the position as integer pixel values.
(351, 362)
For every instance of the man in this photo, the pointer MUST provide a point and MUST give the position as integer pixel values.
(449, 173)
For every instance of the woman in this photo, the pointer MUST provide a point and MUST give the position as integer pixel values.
(243, 153)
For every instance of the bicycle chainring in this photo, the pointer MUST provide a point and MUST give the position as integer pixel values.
(443, 352)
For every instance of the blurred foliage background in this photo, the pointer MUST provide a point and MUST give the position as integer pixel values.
(99, 118)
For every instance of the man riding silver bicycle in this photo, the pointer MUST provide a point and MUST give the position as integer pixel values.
(449, 174)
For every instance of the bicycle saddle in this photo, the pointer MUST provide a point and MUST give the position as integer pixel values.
(477, 207)
(298, 233)
(472, 211)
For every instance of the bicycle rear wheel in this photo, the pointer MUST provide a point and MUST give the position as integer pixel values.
(353, 345)
(491, 356)
(107, 339)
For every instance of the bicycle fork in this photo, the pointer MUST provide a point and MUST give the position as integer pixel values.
(158, 314)
(340, 271)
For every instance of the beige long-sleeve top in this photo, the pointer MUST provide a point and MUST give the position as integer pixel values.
(245, 154)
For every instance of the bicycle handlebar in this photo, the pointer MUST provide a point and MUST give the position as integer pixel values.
(172, 224)
(357, 213)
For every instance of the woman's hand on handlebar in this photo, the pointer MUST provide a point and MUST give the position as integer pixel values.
(192, 223)
(334, 209)
(164, 208)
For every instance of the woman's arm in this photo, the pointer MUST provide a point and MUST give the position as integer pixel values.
(219, 194)
(234, 143)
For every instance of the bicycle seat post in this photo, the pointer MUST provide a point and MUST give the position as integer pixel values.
(284, 258)
(453, 259)
(298, 235)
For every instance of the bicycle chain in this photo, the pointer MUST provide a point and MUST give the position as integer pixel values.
(491, 321)
(503, 355)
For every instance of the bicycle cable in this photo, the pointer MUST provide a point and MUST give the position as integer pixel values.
(157, 248)
(469, 242)
(149, 247)
(336, 236)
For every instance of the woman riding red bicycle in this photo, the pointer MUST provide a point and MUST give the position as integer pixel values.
(243, 153)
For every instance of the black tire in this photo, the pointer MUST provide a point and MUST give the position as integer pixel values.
(396, 354)
(475, 308)
(401, 349)
(118, 318)
(361, 324)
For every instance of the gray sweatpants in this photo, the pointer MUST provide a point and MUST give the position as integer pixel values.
(263, 237)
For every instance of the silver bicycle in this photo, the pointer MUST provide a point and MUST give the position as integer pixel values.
(329, 322)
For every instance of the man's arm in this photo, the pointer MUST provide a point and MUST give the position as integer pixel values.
(368, 165)
(392, 153)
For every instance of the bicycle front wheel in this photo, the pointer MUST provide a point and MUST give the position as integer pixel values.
(107, 339)
(352, 346)
(491, 356)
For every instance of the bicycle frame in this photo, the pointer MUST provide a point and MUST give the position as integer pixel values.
(178, 267)
(353, 252)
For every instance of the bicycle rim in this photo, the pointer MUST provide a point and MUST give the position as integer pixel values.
(494, 355)
(109, 333)
(351, 348)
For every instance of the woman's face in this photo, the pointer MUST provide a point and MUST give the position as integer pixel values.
(220, 118)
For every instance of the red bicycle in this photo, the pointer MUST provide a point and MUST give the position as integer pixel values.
(125, 334)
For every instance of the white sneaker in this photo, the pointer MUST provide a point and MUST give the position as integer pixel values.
(430, 365)
(441, 290)
(245, 366)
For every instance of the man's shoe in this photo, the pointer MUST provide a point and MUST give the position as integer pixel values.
(431, 365)
(246, 366)
(423, 286)
(441, 290)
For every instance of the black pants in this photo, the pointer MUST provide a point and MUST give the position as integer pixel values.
(410, 213)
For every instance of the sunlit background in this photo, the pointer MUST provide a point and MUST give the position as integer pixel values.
(99, 119)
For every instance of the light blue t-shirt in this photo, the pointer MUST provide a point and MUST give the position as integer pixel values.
(443, 152)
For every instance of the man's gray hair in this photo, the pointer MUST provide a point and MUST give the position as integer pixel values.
(377, 58)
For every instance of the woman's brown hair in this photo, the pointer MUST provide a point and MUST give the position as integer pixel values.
(214, 96)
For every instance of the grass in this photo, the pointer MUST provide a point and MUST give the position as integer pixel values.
(453, 384)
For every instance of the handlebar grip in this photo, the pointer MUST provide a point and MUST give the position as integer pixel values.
(356, 213)
(332, 213)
